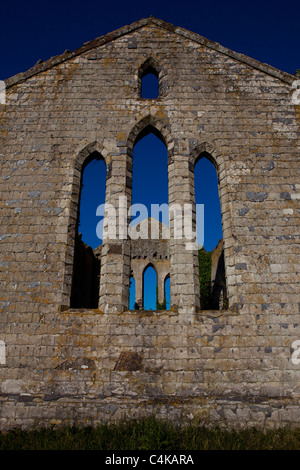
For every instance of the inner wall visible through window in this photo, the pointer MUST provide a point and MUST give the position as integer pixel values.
(213, 291)
(150, 289)
(86, 265)
(132, 294)
(149, 186)
(167, 293)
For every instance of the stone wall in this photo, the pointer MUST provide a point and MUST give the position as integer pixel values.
(146, 251)
(231, 368)
(88, 367)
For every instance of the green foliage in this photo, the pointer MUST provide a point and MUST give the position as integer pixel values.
(149, 434)
(162, 306)
(159, 306)
(205, 278)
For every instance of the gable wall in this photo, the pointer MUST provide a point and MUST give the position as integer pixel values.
(226, 367)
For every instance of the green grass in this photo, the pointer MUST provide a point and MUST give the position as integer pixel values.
(148, 434)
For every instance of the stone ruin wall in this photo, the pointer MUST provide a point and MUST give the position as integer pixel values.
(231, 368)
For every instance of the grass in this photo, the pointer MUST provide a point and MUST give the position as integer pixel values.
(148, 434)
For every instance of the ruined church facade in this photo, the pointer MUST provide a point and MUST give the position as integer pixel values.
(64, 360)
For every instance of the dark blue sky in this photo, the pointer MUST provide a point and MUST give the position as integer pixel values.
(265, 30)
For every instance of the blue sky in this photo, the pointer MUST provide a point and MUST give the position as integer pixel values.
(150, 186)
(265, 30)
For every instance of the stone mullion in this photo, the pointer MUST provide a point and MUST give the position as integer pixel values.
(184, 279)
(115, 260)
(228, 239)
(160, 286)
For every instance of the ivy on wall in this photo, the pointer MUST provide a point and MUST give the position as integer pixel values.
(205, 278)
(159, 306)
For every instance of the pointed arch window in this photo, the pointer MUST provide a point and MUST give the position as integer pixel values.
(86, 263)
(132, 303)
(167, 291)
(213, 292)
(149, 80)
(150, 169)
(148, 153)
(149, 288)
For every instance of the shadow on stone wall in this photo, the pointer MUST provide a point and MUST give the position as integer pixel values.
(212, 279)
(86, 274)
